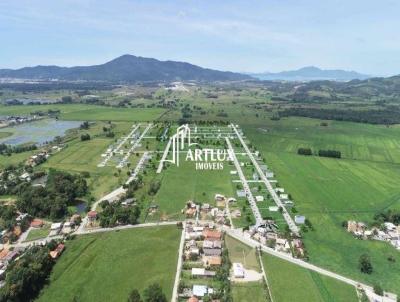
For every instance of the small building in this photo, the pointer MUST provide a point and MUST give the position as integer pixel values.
(212, 260)
(273, 209)
(259, 198)
(200, 290)
(284, 196)
(193, 299)
(255, 176)
(299, 219)
(279, 190)
(56, 226)
(219, 197)
(92, 215)
(238, 270)
(241, 193)
(233, 172)
(212, 234)
(202, 272)
(57, 252)
(37, 223)
(231, 200)
(212, 252)
(25, 177)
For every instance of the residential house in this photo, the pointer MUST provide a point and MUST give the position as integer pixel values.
(238, 270)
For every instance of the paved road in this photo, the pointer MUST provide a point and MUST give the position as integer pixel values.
(293, 227)
(246, 188)
(237, 234)
(179, 266)
(134, 146)
(164, 156)
(123, 141)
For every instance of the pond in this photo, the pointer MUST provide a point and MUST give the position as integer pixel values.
(38, 132)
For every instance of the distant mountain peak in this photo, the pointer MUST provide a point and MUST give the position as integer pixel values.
(312, 73)
(126, 68)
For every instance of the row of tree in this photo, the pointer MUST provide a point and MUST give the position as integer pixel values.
(8, 149)
(323, 153)
(385, 116)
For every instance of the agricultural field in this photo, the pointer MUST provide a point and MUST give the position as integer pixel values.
(289, 282)
(330, 191)
(98, 267)
(82, 112)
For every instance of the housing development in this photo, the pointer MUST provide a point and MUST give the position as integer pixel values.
(145, 178)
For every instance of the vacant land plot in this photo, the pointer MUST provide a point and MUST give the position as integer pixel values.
(35, 234)
(107, 266)
(184, 183)
(251, 291)
(289, 282)
(239, 252)
(330, 191)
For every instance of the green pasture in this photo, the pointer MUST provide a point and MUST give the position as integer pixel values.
(108, 266)
(289, 282)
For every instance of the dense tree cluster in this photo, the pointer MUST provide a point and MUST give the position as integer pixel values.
(85, 125)
(304, 151)
(385, 116)
(114, 213)
(52, 201)
(27, 275)
(392, 216)
(153, 293)
(8, 149)
(330, 153)
(365, 264)
(85, 137)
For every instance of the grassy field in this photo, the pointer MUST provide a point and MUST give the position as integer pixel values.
(35, 234)
(183, 183)
(82, 112)
(290, 282)
(330, 191)
(79, 156)
(251, 291)
(239, 252)
(5, 134)
(107, 266)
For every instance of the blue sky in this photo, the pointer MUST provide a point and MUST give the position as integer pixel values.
(269, 35)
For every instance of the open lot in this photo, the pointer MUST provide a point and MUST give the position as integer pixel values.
(184, 183)
(289, 282)
(107, 266)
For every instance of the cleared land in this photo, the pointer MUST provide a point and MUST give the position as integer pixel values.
(107, 266)
(292, 283)
(330, 191)
(184, 183)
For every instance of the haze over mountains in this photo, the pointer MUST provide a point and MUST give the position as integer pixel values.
(126, 68)
(311, 73)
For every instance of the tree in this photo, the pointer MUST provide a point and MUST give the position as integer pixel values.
(134, 296)
(365, 264)
(154, 293)
(378, 290)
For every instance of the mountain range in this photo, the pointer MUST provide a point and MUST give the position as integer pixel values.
(125, 69)
(311, 73)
